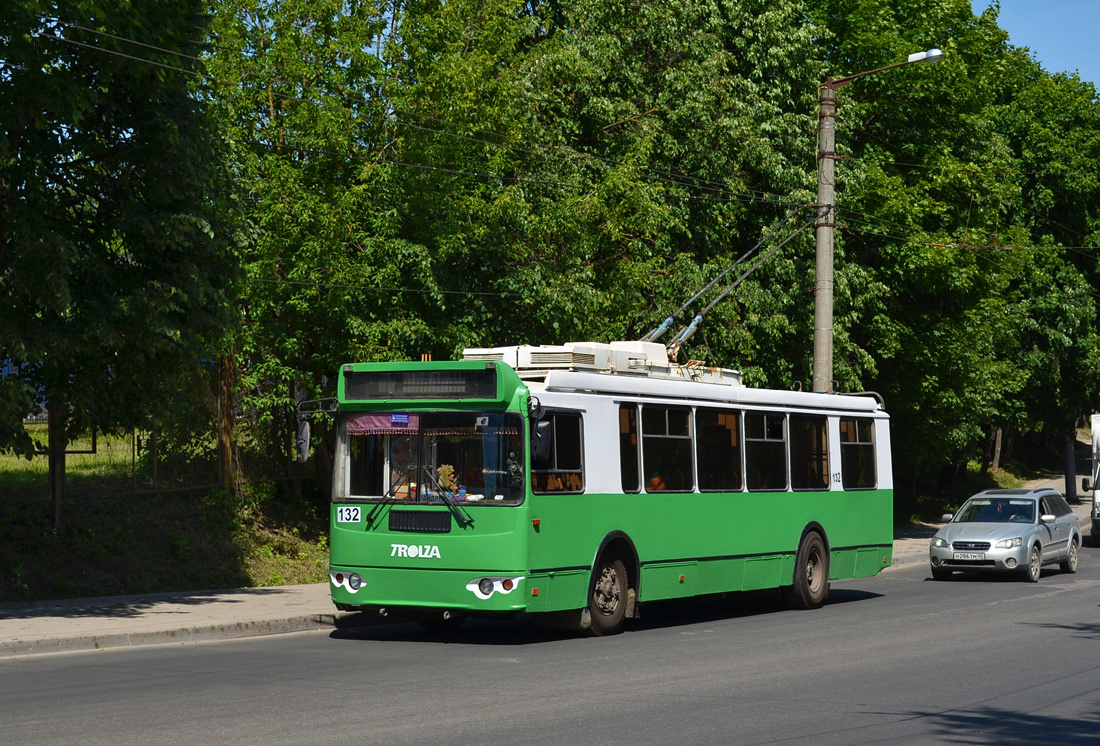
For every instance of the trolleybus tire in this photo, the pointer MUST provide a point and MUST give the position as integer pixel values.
(1034, 567)
(811, 574)
(607, 596)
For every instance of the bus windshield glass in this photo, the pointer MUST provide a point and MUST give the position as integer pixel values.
(472, 457)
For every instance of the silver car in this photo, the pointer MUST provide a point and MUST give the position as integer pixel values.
(1015, 531)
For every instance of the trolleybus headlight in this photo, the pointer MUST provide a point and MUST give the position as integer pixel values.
(484, 588)
(354, 581)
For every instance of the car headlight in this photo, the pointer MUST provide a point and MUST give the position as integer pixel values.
(939, 541)
(1010, 543)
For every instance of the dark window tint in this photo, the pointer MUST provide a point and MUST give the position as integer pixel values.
(563, 469)
(628, 448)
(666, 449)
(718, 449)
(857, 454)
(809, 452)
(766, 451)
(1061, 507)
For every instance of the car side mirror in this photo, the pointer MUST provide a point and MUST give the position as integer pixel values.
(946, 517)
(1047, 518)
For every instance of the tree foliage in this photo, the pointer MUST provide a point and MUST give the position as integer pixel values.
(411, 177)
(115, 262)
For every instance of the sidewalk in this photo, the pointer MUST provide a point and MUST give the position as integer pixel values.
(150, 619)
(124, 621)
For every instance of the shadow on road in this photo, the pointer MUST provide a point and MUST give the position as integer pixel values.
(991, 725)
(523, 630)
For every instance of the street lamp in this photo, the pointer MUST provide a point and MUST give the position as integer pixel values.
(826, 220)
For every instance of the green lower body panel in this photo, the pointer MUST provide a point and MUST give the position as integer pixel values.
(557, 590)
(668, 580)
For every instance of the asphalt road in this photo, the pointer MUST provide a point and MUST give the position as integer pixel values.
(893, 659)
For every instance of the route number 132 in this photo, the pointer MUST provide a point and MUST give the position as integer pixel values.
(348, 515)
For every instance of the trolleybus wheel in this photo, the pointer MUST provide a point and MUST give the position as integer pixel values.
(607, 599)
(811, 574)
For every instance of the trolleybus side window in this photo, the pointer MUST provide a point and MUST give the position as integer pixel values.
(809, 452)
(628, 448)
(857, 453)
(666, 449)
(718, 449)
(563, 468)
(766, 451)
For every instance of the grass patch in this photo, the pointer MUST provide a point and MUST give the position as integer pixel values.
(119, 544)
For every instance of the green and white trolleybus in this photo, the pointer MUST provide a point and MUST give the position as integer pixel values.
(580, 481)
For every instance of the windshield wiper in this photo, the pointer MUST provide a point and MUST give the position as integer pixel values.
(389, 497)
(446, 494)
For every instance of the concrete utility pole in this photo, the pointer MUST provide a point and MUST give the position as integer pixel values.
(826, 222)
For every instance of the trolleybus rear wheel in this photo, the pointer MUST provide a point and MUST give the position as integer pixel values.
(811, 574)
(607, 599)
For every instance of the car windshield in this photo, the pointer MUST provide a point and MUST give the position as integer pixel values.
(996, 510)
(421, 457)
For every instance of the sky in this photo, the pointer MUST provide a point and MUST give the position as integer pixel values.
(1064, 35)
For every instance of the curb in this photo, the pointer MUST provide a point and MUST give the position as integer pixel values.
(909, 558)
(180, 636)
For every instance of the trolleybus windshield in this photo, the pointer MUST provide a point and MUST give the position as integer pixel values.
(472, 457)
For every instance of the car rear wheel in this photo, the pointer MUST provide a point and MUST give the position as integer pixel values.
(1069, 564)
(1034, 565)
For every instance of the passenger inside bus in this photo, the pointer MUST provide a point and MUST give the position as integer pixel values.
(656, 483)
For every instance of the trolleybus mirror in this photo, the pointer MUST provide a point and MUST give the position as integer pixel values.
(303, 439)
(543, 436)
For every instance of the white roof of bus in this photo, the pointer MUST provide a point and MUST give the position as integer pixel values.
(563, 380)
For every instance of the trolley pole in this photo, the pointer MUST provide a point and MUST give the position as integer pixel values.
(826, 220)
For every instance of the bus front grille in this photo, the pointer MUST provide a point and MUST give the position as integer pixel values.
(420, 521)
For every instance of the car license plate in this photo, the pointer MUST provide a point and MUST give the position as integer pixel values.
(969, 555)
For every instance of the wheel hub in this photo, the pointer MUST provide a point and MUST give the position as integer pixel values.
(607, 591)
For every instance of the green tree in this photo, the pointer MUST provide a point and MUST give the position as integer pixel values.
(300, 95)
(115, 261)
(952, 168)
